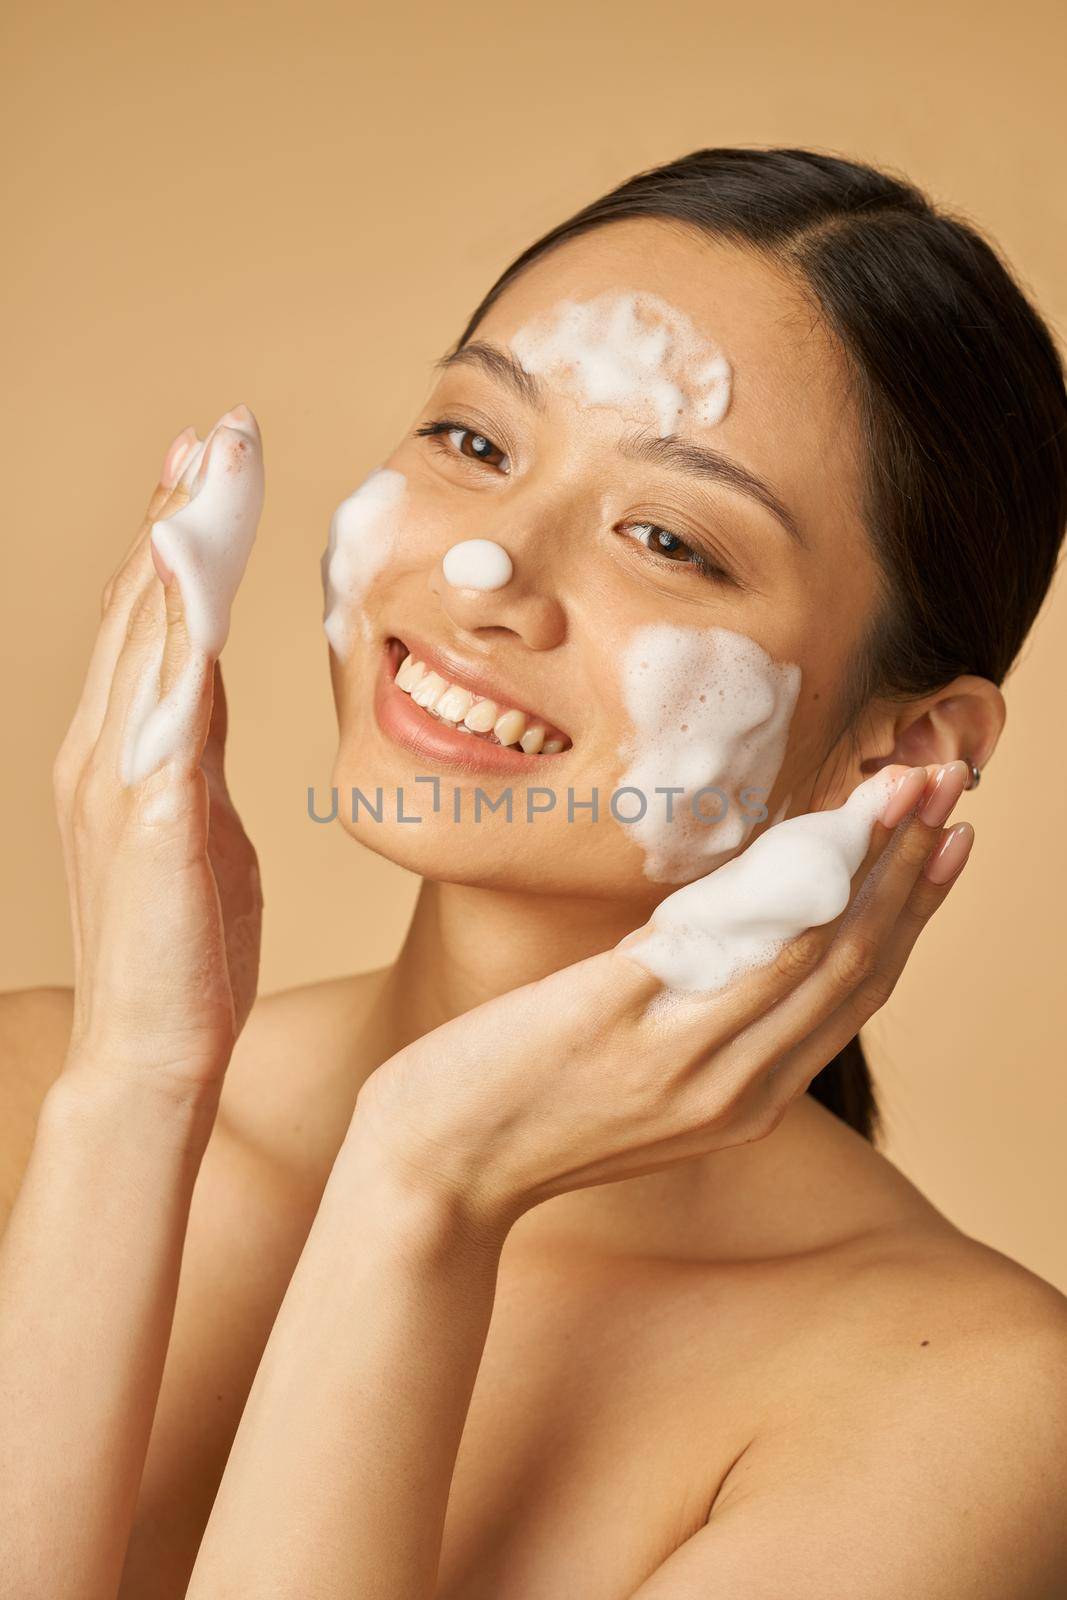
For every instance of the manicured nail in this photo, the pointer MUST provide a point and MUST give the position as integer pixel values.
(948, 857)
(949, 784)
(904, 796)
(239, 417)
(176, 456)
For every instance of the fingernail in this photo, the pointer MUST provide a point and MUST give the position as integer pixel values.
(239, 417)
(949, 784)
(907, 791)
(176, 456)
(948, 857)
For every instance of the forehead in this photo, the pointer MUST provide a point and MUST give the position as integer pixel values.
(791, 414)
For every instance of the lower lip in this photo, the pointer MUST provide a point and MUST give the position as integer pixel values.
(425, 735)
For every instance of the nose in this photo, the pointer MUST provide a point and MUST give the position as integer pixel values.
(479, 589)
(477, 564)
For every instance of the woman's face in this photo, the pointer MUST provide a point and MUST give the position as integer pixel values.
(676, 482)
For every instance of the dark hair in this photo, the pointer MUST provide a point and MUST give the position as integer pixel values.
(962, 403)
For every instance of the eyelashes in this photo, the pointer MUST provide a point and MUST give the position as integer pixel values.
(452, 438)
(483, 448)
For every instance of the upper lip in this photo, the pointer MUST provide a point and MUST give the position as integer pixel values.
(453, 667)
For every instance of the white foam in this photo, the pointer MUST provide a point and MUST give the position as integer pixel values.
(206, 545)
(796, 875)
(709, 709)
(477, 564)
(631, 351)
(362, 533)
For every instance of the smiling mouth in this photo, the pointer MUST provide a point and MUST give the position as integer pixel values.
(458, 703)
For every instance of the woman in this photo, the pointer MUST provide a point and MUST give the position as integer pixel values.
(742, 488)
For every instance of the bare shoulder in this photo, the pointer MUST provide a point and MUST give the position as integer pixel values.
(914, 1312)
(928, 1397)
(289, 1091)
(948, 1316)
(34, 1032)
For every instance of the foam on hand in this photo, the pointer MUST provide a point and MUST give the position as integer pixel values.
(796, 875)
(205, 545)
(477, 564)
(710, 710)
(362, 533)
(631, 351)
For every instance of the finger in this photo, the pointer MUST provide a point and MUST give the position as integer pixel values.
(859, 970)
(140, 572)
(797, 1069)
(159, 705)
(132, 579)
(778, 966)
(214, 756)
(174, 461)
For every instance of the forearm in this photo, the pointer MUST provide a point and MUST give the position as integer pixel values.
(89, 1269)
(338, 1479)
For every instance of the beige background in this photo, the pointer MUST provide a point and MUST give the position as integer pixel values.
(298, 206)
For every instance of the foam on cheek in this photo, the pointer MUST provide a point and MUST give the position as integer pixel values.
(362, 533)
(633, 352)
(709, 709)
(206, 545)
(796, 875)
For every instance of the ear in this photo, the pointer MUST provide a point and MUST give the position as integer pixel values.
(963, 720)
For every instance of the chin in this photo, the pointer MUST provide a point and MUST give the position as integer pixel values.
(545, 857)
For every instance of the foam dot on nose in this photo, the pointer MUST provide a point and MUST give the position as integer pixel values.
(477, 564)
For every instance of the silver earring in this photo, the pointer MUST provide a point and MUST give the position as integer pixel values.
(976, 775)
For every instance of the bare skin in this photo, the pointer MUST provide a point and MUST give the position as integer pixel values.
(628, 1380)
(764, 1332)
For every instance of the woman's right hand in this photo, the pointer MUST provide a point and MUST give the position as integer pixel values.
(163, 880)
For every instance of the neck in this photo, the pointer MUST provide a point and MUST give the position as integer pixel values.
(466, 945)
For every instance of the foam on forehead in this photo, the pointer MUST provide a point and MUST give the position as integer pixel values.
(631, 351)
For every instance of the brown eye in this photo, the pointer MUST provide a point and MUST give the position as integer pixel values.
(664, 543)
(661, 542)
(478, 447)
(457, 440)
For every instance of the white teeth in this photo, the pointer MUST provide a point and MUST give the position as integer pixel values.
(429, 690)
(510, 727)
(458, 706)
(481, 716)
(409, 672)
(454, 703)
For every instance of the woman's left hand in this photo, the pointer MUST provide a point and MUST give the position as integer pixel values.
(580, 1079)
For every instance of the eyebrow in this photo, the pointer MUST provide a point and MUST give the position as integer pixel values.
(668, 450)
(498, 364)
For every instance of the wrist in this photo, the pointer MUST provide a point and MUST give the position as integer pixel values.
(90, 1093)
(431, 1211)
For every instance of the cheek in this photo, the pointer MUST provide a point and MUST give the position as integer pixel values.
(379, 531)
(709, 714)
(364, 533)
